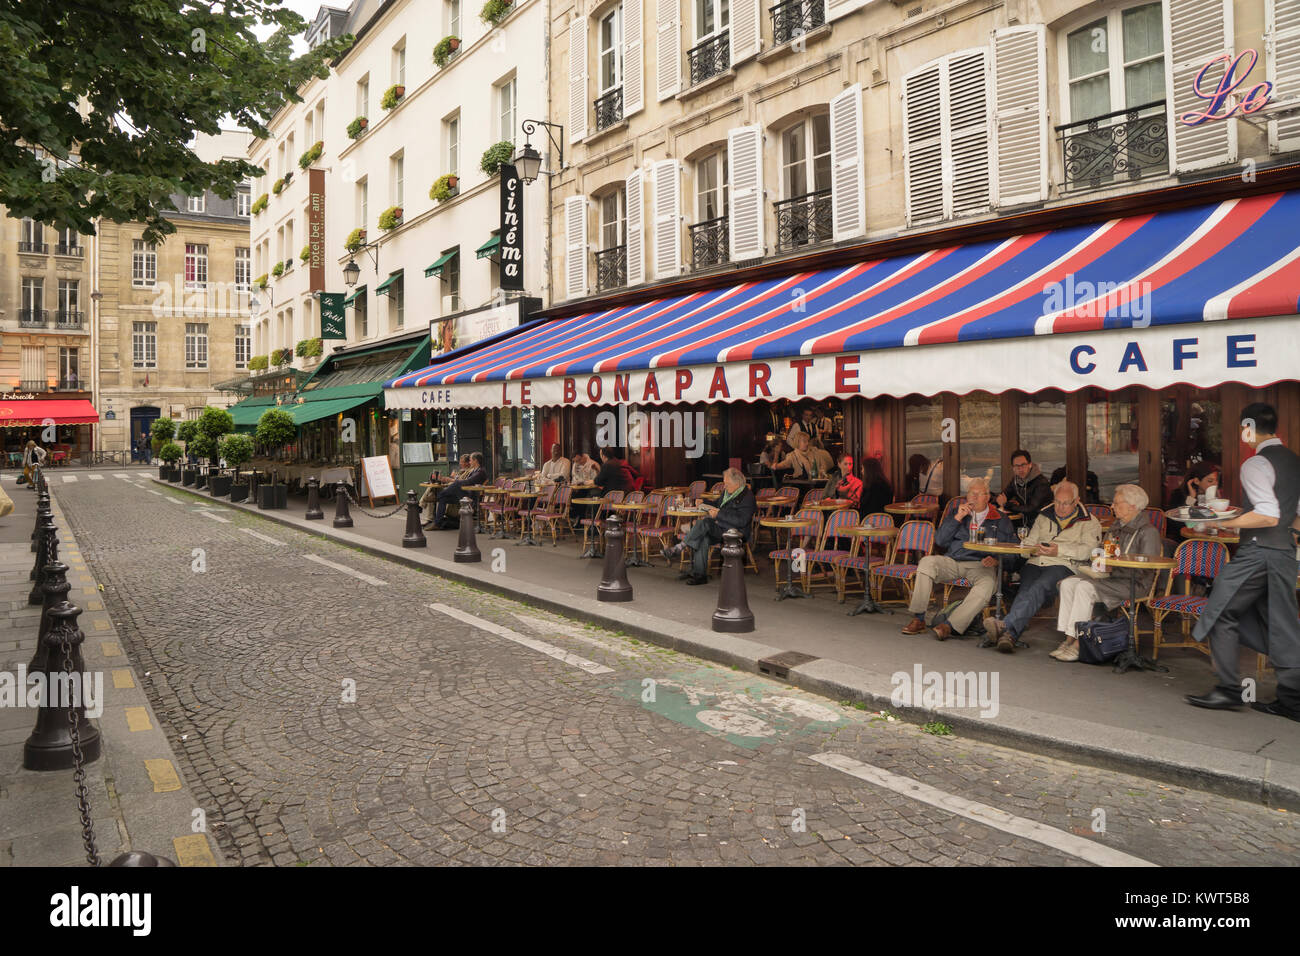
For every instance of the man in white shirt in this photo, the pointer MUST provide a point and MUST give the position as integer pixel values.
(584, 470)
(556, 468)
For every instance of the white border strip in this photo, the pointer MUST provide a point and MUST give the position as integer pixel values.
(346, 570)
(550, 650)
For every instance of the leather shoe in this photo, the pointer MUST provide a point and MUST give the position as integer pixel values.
(1217, 699)
(694, 580)
(914, 626)
(942, 631)
(1276, 708)
(675, 550)
(1006, 643)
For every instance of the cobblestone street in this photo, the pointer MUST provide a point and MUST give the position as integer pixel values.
(330, 707)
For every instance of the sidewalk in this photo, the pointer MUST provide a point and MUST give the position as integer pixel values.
(137, 798)
(1135, 722)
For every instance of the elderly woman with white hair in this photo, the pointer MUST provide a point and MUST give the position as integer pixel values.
(1136, 535)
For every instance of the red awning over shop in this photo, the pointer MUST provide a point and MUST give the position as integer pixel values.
(34, 412)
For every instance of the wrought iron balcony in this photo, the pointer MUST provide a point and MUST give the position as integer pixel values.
(1123, 146)
(708, 243)
(710, 58)
(803, 220)
(611, 268)
(37, 248)
(70, 384)
(37, 385)
(68, 320)
(609, 109)
(66, 250)
(794, 18)
(32, 318)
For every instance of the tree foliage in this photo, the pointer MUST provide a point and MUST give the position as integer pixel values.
(236, 449)
(215, 422)
(275, 428)
(113, 91)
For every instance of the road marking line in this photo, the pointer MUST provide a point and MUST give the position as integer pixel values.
(69, 479)
(95, 477)
(981, 813)
(573, 632)
(550, 650)
(176, 501)
(122, 679)
(158, 493)
(120, 474)
(209, 514)
(262, 537)
(137, 718)
(193, 850)
(346, 570)
(163, 775)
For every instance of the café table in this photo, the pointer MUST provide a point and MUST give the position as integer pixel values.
(906, 510)
(633, 508)
(593, 551)
(1223, 537)
(1000, 549)
(525, 499)
(1130, 659)
(790, 589)
(684, 516)
(868, 604)
(831, 504)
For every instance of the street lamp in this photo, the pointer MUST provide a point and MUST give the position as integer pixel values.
(351, 272)
(527, 160)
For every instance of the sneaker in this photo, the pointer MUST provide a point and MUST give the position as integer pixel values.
(1068, 653)
(914, 626)
(1057, 651)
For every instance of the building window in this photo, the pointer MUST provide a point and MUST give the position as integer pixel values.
(613, 219)
(451, 135)
(243, 203)
(69, 243)
(922, 430)
(196, 345)
(144, 263)
(196, 266)
(507, 103)
(243, 270)
(144, 344)
(711, 54)
(1042, 431)
(33, 237)
(398, 167)
(397, 303)
(453, 18)
(363, 96)
(197, 203)
(33, 310)
(362, 317)
(611, 49)
(33, 369)
(806, 157)
(363, 202)
(451, 276)
(243, 346)
(1111, 427)
(711, 186)
(69, 368)
(399, 63)
(69, 314)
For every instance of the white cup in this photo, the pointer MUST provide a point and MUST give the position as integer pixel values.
(1218, 504)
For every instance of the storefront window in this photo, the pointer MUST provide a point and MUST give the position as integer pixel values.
(1112, 437)
(515, 451)
(980, 449)
(1191, 432)
(923, 445)
(1042, 433)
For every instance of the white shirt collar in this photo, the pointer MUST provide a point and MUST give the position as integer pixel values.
(979, 516)
(1265, 444)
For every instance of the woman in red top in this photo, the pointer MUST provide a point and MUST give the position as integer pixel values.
(850, 485)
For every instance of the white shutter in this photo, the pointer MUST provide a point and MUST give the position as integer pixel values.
(968, 132)
(577, 79)
(668, 48)
(745, 165)
(635, 185)
(839, 8)
(923, 145)
(575, 245)
(667, 219)
(1282, 25)
(1196, 31)
(1020, 115)
(633, 59)
(746, 36)
(848, 199)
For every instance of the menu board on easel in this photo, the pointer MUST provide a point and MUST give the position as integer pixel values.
(377, 478)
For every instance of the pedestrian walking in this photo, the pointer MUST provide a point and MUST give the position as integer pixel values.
(33, 455)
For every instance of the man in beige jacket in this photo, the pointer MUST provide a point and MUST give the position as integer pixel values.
(1063, 536)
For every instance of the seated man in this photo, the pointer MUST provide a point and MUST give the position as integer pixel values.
(584, 470)
(615, 473)
(980, 569)
(1064, 535)
(429, 500)
(556, 468)
(1136, 535)
(1028, 492)
(453, 492)
(735, 510)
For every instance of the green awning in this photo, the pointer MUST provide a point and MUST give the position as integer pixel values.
(436, 268)
(360, 290)
(489, 248)
(322, 408)
(382, 288)
(248, 412)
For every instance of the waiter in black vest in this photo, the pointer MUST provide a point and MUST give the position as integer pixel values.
(1254, 597)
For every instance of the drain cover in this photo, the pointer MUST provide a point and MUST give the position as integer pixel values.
(778, 665)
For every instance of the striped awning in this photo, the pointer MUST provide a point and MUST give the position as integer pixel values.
(1074, 298)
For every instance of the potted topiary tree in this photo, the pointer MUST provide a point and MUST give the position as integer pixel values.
(275, 429)
(237, 450)
(170, 452)
(187, 431)
(161, 431)
(215, 424)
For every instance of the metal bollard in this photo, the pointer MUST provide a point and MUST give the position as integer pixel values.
(614, 585)
(42, 543)
(414, 537)
(342, 517)
(313, 499)
(51, 745)
(732, 615)
(56, 590)
(467, 547)
(49, 551)
(141, 858)
(42, 505)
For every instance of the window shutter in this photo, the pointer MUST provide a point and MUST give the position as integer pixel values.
(668, 48)
(1282, 49)
(633, 59)
(745, 165)
(839, 8)
(745, 35)
(1020, 115)
(968, 131)
(848, 200)
(667, 219)
(577, 79)
(922, 145)
(1196, 31)
(635, 196)
(575, 245)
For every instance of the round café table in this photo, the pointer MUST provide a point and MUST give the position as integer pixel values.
(908, 510)
(684, 516)
(1130, 659)
(870, 533)
(999, 549)
(790, 589)
(1224, 537)
(592, 550)
(633, 508)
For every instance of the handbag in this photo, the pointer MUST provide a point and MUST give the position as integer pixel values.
(1100, 642)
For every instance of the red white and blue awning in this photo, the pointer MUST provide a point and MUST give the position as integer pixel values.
(1104, 305)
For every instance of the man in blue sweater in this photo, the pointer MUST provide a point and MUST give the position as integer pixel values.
(958, 562)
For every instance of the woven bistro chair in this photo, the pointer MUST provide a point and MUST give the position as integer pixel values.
(809, 534)
(596, 523)
(914, 541)
(931, 500)
(950, 508)
(859, 557)
(654, 525)
(494, 506)
(695, 490)
(1193, 559)
(812, 496)
(1103, 512)
(555, 514)
(824, 555)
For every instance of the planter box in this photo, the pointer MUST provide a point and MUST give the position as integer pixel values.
(162, 472)
(219, 485)
(239, 492)
(200, 480)
(273, 497)
(188, 475)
